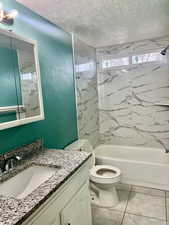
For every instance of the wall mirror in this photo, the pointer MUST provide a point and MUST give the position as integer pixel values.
(20, 83)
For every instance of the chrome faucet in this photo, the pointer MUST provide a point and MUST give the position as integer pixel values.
(11, 162)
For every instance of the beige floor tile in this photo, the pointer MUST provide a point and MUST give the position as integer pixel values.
(102, 216)
(147, 205)
(140, 220)
(123, 198)
(149, 191)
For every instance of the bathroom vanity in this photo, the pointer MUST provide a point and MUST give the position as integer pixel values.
(69, 205)
(62, 199)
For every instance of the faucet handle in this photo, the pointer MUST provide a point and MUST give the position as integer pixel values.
(10, 163)
(18, 157)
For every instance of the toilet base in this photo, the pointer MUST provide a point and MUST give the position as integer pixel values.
(104, 195)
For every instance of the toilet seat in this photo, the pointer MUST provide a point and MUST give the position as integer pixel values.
(105, 174)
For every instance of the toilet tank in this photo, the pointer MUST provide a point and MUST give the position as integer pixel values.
(82, 145)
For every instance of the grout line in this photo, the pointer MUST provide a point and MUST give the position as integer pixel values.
(166, 207)
(148, 188)
(153, 195)
(148, 217)
(126, 205)
(140, 186)
(131, 190)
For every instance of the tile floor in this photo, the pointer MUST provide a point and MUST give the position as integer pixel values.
(138, 206)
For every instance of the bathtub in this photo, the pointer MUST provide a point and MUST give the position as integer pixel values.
(148, 167)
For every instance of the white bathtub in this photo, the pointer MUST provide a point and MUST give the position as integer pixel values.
(147, 167)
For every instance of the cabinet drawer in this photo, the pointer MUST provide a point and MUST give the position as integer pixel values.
(49, 211)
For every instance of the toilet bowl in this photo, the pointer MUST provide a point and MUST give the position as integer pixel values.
(103, 178)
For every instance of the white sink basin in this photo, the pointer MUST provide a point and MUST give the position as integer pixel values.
(26, 181)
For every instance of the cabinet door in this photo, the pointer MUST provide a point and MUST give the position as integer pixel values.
(78, 210)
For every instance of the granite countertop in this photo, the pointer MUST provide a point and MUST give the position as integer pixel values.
(15, 211)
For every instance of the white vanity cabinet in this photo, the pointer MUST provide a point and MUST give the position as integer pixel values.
(78, 209)
(68, 205)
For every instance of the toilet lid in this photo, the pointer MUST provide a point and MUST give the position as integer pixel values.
(104, 172)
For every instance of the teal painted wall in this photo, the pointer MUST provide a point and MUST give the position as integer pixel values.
(55, 56)
(7, 84)
(7, 79)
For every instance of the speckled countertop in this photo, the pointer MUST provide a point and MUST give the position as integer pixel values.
(15, 211)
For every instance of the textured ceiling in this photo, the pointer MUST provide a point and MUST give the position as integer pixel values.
(106, 22)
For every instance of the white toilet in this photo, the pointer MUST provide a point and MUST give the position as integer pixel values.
(103, 178)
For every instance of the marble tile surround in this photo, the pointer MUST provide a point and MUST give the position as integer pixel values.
(134, 95)
(86, 91)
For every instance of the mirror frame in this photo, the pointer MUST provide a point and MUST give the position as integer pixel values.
(41, 116)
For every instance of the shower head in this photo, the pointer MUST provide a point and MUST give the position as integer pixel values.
(164, 51)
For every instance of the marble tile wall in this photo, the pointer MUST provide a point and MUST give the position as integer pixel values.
(86, 91)
(133, 89)
(30, 96)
